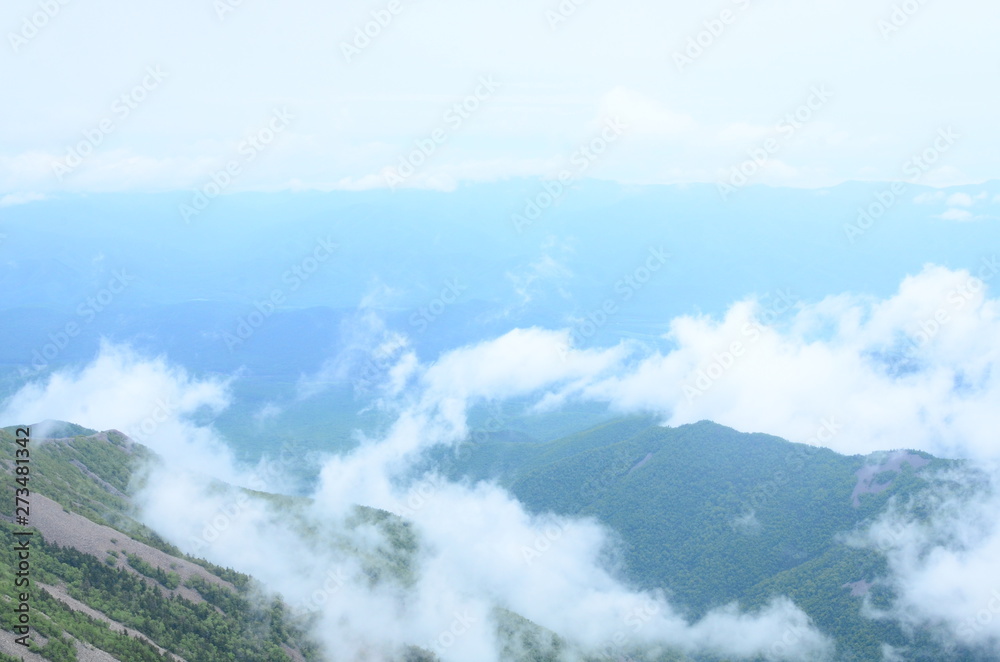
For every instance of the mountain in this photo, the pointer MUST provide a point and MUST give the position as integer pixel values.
(713, 515)
(708, 514)
(104, 586)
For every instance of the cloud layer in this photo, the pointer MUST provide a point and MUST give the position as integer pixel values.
(470, 560)
(357, 114)
(917, 370)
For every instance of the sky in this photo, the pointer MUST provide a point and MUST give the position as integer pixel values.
(163, 97)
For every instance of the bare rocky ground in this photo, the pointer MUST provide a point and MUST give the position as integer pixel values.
(59, 526)
(87, 653)
(71, 530)
(893, 462)
(84, 651)
(59, 593)
(8, 646)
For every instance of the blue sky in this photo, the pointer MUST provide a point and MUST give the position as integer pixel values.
(702, 88)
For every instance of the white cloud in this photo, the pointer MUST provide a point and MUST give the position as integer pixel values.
(545, 568)
(959, 200)
(12, 199)
(267, 412)
(941, 549)
(777, 365)
(742, 133)
(368, 352)
(546, 274)
(891, 654)
(645, 116)
(555, 83)
(149, 400)
(478, 548)
(929, 197)
(957, 215)
(928, 354)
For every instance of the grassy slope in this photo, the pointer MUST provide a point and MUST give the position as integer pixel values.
(92, 476)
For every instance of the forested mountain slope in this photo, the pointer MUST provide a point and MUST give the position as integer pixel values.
(713, 515)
